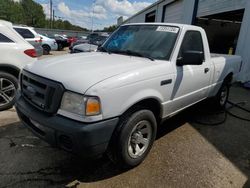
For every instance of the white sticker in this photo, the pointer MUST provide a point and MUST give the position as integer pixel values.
(167, 29)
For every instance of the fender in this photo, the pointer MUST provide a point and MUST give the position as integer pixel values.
(140, 96)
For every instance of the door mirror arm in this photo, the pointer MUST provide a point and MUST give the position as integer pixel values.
(179, 61)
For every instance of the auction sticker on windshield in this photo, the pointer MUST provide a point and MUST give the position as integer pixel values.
(167, 29)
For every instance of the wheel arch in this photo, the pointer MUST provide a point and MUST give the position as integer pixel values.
(229, 78)
(150, 103)
(47, 45)
(11, 69)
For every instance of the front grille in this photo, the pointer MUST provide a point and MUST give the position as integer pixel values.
(40, 92)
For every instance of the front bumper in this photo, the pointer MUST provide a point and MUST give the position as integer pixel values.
(85, 139)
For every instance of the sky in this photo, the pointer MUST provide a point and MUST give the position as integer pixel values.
(105, 12)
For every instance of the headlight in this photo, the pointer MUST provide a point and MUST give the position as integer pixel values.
(81, 105)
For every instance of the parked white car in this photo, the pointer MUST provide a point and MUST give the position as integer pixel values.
(48, 44)
(30, 35)
(114, 100)
(15, 54)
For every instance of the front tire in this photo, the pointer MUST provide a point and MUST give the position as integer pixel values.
(8, 88)
(133, 139)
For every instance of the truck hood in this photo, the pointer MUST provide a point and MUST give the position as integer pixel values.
(78, 72)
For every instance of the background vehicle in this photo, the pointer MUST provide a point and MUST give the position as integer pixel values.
(72, 40)
(48, 44)
(84, 48)
(15, 53)
(113, 101)
(97, 40)
(61, 41)
(30, 35)
(78, 42)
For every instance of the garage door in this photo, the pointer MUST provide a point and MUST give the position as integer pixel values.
(209, 7)
(174, 12)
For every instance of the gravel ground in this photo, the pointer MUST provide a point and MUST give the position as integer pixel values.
(185, 154)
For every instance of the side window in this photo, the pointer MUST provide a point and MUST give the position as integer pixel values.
(25, 33)
(4, 39)
(192, 42)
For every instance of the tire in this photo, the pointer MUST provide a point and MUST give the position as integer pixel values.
(60, 47)
(8, 88)
(222, 96)
(136, 129)
(46, 49)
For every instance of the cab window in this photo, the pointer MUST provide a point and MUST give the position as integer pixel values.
(192, 42)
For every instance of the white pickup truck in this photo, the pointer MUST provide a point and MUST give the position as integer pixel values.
(113, 100)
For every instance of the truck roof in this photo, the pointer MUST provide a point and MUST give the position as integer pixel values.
(167, 24)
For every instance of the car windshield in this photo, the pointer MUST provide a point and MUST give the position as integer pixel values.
(150, 41)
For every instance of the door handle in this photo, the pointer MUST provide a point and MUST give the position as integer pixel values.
(206, 70)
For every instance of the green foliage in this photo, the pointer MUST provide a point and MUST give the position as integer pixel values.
(30, 13)
(33, 13)
(110, 29)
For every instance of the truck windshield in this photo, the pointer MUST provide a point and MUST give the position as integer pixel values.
(149, 41)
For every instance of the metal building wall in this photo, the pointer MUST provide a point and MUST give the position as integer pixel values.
(243, 46)
(180, 11)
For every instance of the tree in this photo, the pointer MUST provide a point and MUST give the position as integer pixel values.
(110, 29)
(33, 13)
(28, 12)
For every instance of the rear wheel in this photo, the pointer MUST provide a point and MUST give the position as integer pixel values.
(222, 96)
(8, 87)
(46, 49)
(60, 47)
(133, 139)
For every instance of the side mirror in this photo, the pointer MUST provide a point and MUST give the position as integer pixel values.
(191, 58)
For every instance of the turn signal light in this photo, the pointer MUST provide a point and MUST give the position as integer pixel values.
(93, 107)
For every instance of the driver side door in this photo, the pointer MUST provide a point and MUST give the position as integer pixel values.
(192, 81)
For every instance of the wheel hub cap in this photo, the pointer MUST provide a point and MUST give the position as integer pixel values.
(223, 96)
(7, 91)
(139, 139)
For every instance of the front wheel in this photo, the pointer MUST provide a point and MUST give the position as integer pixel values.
(8, 87)
(133, 141)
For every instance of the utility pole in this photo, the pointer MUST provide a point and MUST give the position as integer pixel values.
(53, 21)
(51, 14)
(92, 20)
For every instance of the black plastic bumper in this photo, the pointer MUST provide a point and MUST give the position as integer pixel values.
(87, 140)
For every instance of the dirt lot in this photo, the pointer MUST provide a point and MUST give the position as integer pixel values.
(185, 154)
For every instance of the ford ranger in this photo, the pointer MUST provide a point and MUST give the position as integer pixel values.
(113, 100)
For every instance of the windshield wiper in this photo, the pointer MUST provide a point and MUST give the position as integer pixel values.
(129, 52)
(102, 49)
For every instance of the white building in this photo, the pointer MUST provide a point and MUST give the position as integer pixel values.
(227, 23)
